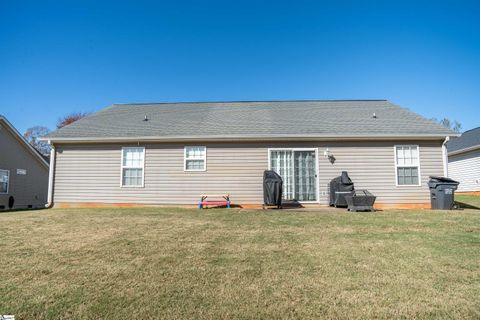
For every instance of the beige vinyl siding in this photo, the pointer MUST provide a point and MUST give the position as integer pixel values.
(465, 168)
(371, 166)
(27, 190)
(91, 172)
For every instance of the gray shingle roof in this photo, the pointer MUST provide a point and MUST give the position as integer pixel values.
(468, 139)
(268, 119)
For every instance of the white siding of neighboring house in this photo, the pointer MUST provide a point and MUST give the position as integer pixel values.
(90, 173)
(465, 168)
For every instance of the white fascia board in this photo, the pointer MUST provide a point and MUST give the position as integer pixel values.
(243, 138)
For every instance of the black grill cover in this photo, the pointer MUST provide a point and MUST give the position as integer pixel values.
(272, 188)
(341, 183)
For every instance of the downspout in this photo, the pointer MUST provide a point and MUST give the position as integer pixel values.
(445, 156)
(50, 177)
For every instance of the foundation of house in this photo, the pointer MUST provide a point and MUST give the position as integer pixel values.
(378, 206)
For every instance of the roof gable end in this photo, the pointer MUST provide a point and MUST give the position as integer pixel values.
(4, 122)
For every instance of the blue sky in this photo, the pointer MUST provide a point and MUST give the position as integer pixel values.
(66, 56)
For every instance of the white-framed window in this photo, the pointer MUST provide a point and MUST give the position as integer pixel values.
(4, 181)
(195, 158)
(133, 162)
(407, 165)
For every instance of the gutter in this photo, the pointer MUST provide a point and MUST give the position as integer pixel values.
(50, 177)
(445, 156)
(233, 138)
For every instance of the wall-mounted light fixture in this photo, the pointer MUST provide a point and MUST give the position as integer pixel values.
(329, 155)
(326, 153)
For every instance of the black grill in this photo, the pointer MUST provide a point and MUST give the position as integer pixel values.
(340, 187)
(272, 188)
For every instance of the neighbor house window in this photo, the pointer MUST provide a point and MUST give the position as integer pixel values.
(133, 160)
(4, 180)
(407, 164)
(195, 158)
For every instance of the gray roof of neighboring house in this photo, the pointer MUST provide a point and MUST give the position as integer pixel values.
(244, 120)
(468, 140)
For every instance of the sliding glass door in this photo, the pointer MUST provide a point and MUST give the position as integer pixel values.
(298, 170)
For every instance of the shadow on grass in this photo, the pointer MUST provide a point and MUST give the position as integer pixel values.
(21, 210)
(464, 205)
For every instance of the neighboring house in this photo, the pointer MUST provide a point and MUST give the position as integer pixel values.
(171, 153)
(23, 171)
(464, 160)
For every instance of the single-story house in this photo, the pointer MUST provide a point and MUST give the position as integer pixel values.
(23, 171)
(464, 160)
(171, 153)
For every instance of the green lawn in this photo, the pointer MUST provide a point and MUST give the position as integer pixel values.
(223, 264)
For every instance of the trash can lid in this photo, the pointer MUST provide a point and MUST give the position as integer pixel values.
(443, 179)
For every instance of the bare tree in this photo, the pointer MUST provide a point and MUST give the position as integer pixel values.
(71, 118)
(32, 134)
(452, 125)
(457, 126)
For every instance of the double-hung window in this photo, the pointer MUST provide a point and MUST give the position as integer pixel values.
(407, 164)
(4, 181)
(133, 160)
(195, 158)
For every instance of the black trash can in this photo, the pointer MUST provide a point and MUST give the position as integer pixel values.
(442, 192)
(272, 188)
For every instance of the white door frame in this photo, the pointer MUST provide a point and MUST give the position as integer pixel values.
(317, 177)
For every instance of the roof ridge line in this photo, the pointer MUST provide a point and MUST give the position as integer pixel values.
(250, 101)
